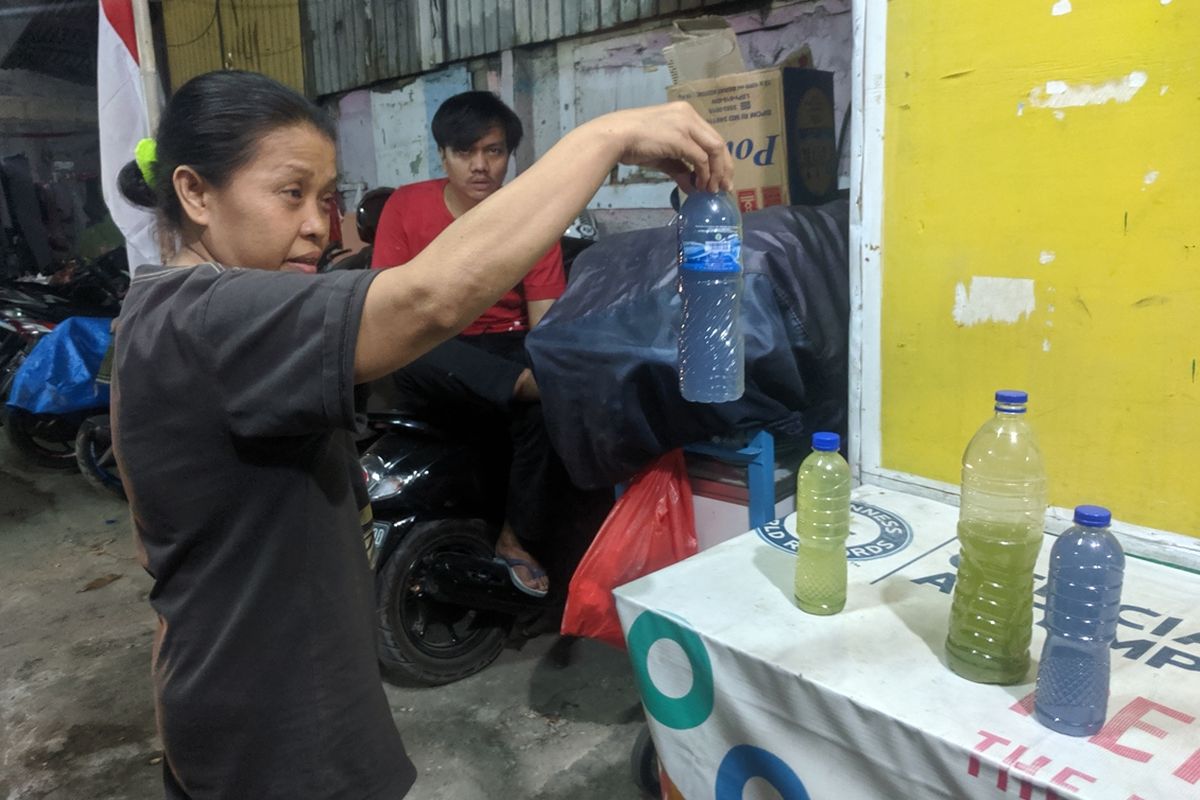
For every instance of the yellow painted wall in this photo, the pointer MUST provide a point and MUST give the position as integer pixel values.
(981, 181)
(258, 35)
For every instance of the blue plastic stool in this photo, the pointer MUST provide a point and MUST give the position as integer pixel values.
(759, 459)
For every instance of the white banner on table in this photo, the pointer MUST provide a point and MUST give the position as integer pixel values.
(749, 697)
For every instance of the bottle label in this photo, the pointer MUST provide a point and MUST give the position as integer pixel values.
(720, 250)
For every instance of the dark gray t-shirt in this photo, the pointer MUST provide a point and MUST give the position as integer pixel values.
(232, 412)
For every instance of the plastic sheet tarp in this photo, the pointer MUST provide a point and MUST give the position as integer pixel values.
(59, 376)
(605, 354)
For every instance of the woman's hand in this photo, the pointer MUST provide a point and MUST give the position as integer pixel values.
(674, 139)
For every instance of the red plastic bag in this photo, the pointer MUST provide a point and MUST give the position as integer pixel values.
(651, 526)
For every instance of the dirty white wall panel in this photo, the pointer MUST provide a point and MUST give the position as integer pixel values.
(403, 145)
(545, 103)
(616, 73)
(356, 143)
(400, 135)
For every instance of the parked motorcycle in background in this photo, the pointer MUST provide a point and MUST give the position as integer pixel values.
(19, 332)
(48, 396)
(444, 606)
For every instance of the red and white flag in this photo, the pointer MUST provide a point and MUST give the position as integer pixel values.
(123, 121)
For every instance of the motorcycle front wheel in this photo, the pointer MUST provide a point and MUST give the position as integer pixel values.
(422, 639)
(94, 455)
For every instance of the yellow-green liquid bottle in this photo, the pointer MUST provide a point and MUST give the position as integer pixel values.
(822, 526)
(1000, 524)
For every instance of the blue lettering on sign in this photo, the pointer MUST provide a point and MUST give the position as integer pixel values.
(891, 534)
(748, 149)
(1158, 646)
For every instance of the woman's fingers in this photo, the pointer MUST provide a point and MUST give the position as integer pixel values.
(719, 160)
(664, 136)
(715, 166)
(717, 172)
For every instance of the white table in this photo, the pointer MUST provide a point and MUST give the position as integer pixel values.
(749, 697)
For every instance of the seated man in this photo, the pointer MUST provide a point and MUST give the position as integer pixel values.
(485, 368)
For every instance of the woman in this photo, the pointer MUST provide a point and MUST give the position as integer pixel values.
(232, 401)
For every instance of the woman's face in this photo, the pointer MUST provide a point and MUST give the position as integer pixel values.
(274, 212)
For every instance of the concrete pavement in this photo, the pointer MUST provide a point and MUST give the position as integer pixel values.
(77, 719)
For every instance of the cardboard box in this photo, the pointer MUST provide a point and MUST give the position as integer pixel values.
(702, 47)
(779, 126)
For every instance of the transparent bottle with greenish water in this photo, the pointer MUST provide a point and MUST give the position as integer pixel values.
(822, 526)
(1000, 526)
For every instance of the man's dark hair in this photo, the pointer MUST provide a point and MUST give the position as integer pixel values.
(465, 118)
(213, 124)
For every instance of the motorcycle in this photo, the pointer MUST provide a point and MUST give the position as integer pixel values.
(444, 605)
(95, 457)
(18, 334)
(87, 290)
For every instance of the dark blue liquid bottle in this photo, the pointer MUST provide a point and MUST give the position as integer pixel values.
(711, 361)
(1083, 599)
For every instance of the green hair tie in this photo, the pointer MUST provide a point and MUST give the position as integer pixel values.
(145, 154)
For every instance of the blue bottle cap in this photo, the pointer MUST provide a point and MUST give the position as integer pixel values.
(1011, 397)
(1092, 516)
(826, 442)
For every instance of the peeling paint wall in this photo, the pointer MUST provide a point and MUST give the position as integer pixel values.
(356, 146)
(1040, 232)
(384, 137)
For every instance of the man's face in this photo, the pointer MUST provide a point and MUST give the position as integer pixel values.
(477, 171)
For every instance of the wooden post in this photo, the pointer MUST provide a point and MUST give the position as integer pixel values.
(151, 86)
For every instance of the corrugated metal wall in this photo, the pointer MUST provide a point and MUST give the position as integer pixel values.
(477, 27)
(192, 38)
(259, 35)
(327, 46)
(356, 42)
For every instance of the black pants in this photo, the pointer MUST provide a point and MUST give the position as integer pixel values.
(469, 381)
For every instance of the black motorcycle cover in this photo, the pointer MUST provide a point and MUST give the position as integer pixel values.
(605, 354)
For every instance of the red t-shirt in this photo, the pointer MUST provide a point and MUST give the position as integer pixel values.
(416, 214)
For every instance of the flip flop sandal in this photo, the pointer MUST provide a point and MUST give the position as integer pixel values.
(534, 571)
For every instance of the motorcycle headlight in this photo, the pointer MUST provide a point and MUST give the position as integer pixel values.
(380, 485)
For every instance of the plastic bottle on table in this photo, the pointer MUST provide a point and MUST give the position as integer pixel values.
(822, 525)
(711, 361)
(1000, 529)
(1087, 566)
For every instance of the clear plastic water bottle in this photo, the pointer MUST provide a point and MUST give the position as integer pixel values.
(1000, 526)
(711, 360)
(1083, 599)
(822, 526)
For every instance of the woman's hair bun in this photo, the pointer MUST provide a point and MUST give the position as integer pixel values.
(133, 185)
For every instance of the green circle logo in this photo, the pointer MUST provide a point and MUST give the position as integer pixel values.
(679, 713)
